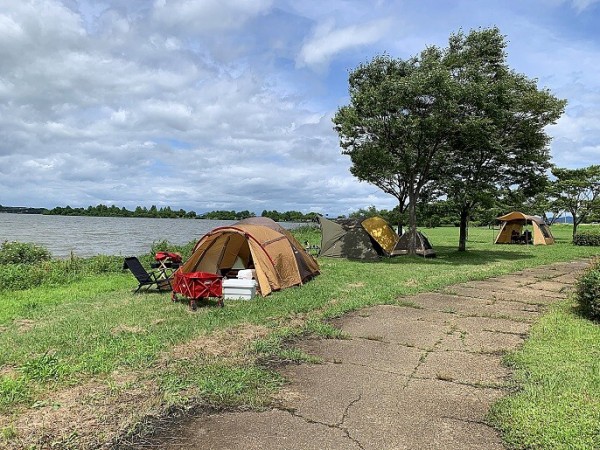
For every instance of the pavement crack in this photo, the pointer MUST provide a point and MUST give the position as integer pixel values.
(422, 359)
(470, 421)
(338, 426)
(367, 366)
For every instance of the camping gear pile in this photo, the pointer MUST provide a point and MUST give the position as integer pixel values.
(366, 239)
(279, 261)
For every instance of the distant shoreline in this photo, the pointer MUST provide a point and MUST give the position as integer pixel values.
(22, 210)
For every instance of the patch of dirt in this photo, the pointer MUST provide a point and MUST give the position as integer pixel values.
(286, 396)
(126, 329)
(355, 285)
(93, 415)
(220, 343)
(24, 325)
(88, 416)
(8, 372)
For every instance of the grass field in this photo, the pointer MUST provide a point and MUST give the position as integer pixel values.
(94, 353)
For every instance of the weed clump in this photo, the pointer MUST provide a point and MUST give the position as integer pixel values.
(22, 253)
(587, 238)
(588, 291)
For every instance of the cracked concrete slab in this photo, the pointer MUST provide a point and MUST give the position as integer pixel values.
(322, 392)
(476, 306)
(552, 286)
(273, 429)
(464, 367)
(408, 378)
(428, 414)
(380, 356)
(485, 335)
(403, 325)
(521, 295)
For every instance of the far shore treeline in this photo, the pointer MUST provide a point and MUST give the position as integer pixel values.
(160, 213)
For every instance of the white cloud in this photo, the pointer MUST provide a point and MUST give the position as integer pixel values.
(327, 41)
(582, 5)
(207, 16)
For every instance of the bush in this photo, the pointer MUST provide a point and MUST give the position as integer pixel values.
(22, 253)
(588, 291)
(588, 238)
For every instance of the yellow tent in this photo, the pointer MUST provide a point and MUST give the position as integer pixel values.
(512, 227)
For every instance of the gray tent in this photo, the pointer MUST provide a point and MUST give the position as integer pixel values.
(424, 248)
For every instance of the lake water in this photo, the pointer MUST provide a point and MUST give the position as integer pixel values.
(89, 236)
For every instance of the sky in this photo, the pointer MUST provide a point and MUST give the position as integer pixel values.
(227, 104)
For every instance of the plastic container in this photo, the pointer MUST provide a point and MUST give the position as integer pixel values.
(247, 274)
(239, 289)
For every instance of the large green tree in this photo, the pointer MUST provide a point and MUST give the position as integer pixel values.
(394, 128)
(578, 190)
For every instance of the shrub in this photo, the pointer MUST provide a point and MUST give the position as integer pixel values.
(588, 291)
(22, 253)
(588, 238)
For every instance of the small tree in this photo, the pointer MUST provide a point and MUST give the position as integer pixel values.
(578, 190)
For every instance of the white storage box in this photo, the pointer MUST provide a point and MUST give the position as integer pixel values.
(238, 289)
(247, 274)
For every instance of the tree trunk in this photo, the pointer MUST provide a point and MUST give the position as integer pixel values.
(412, 223)
(401, 212)
(462, 240)
(574, 226)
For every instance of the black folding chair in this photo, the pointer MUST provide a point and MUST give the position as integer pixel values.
(155, 278)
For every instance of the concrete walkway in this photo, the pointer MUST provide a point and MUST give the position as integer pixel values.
(411, 377)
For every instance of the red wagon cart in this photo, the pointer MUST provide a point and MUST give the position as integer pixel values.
(197, 285)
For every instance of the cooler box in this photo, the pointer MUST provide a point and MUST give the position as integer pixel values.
(238, 289)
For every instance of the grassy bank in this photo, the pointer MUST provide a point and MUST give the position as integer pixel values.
(557, 405)
(70, 352)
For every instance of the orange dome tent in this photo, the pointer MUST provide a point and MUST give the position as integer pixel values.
(279, 260)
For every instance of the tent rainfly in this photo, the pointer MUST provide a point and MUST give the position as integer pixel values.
(357, 238)
(278, 258)
(512, 227)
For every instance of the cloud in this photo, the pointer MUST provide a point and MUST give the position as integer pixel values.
(582, 5)
(227, 105)
(207, 16)
(328, 41)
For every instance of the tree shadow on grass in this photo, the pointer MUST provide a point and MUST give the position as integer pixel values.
(448, 255)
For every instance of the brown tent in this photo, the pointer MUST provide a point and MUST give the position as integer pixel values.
(279, 260)
(512, 227)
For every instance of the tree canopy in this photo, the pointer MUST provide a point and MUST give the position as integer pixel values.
(578, 191)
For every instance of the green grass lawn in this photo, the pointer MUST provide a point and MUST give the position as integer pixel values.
(557, 405)
(56, 337)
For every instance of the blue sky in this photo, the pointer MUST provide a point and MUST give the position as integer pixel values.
(227, 104)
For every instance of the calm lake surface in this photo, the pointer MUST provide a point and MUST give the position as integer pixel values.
(89, 236)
